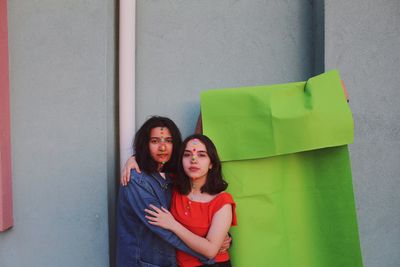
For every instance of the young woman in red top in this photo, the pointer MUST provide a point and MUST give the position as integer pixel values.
(201, 212)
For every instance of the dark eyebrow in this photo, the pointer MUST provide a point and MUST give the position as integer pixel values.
(202, 151)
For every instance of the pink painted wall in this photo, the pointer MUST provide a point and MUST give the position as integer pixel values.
(6, 216)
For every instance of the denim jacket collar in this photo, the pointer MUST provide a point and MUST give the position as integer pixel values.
(164, 183)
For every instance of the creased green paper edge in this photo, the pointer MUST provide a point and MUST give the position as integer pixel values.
(263, 121)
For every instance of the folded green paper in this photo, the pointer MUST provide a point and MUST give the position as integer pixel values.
(263, 121)
(286, 161)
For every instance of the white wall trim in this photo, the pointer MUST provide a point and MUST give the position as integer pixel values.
(127, 48)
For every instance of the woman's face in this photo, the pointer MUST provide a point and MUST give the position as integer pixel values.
(196, 162)
(160, 145)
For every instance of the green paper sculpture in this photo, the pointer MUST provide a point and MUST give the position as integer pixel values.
(285, 157)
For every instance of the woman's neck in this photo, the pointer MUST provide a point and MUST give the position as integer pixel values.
(196, 185)
(195, 193)
(160, 167)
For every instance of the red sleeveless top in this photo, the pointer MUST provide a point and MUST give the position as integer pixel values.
(197, 217)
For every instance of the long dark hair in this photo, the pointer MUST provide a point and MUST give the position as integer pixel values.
(141, 145)
(214, 183)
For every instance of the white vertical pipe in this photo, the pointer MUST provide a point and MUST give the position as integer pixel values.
(127, 11)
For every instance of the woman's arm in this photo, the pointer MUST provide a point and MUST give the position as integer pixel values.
(130, 164)
(134, 198)
(208, 246)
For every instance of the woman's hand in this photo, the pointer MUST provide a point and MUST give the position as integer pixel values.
(160, 217)
(226, 245)
(126, 171)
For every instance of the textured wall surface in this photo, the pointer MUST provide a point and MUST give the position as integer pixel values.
(62, 100)
(362, 40)
(62, 74)
(184, 47)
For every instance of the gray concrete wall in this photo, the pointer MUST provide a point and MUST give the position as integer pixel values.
(62, 68)
(362, 40)
(62, 76)
(184, 47)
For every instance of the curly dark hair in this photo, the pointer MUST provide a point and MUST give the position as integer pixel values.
(215, 183)
(141, 145)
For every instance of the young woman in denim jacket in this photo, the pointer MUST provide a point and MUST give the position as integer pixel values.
(139, 243)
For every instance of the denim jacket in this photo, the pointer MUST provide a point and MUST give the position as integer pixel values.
(138, 242)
